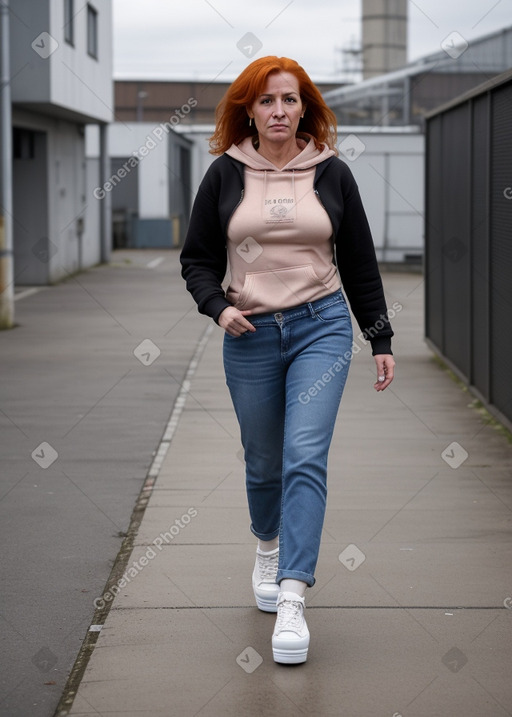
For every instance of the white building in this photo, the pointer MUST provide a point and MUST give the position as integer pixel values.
(149, 183)
(61, 70)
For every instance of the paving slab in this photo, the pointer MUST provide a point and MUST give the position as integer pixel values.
(361, 662)
(416, 623)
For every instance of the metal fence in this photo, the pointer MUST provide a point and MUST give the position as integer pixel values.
(468, 233)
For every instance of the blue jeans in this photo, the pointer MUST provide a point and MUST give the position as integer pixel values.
(286, 380)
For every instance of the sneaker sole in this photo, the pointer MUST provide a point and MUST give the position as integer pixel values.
(290, 657)
(268, 605)
(290, 652)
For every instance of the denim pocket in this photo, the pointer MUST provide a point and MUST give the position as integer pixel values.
(245, 335)
(333, 312)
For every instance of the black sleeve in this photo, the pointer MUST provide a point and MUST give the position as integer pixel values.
(204, 256)
(359, 270)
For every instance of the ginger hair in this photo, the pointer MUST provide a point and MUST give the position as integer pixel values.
(232, 121)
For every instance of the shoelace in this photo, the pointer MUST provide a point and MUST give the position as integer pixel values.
(267, 567)
(289, 615)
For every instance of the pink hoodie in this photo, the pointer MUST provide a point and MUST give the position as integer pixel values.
(280, 244)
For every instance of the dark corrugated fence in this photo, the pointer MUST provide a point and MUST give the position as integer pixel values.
(468, 232)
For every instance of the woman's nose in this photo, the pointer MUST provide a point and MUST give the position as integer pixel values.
(279, 110)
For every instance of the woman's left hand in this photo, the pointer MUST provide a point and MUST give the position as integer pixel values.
(385, 371)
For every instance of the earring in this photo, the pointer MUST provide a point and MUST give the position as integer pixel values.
(250, 121)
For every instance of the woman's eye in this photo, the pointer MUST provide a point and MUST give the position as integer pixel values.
(268, 100)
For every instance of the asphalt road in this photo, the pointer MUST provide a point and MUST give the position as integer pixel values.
(88, 381)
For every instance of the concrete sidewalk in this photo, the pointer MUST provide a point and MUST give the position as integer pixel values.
(88, 378)
(409, 614)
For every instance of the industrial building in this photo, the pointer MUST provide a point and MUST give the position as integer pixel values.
(61, 80)
(403, 96)
(393, 97)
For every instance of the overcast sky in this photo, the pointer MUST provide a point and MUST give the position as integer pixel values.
(199, 38)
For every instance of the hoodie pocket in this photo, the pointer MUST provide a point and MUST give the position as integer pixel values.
(282, 288)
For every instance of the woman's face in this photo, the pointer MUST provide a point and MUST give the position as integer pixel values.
(278, 109)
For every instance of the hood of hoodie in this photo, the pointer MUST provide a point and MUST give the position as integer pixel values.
(310, 156)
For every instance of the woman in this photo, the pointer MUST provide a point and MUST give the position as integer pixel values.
(287, 214)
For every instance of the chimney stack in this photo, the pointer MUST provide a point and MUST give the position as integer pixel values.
(384, 36)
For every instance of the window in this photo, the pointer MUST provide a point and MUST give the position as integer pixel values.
(22, 143)
(92, 32)
(69, 22)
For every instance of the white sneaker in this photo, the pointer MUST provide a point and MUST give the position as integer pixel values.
(290, 640)
(264, 583)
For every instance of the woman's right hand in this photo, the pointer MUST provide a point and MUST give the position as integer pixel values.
(234, 322)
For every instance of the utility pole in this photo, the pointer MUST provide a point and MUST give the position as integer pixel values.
(6, 243)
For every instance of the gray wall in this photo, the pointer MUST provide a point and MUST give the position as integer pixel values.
(30, 213)
(468, 232)
(51, 200)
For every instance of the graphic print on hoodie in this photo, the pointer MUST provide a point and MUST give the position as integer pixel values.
(280, 243)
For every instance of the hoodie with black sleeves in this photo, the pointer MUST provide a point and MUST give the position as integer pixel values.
(204, 254)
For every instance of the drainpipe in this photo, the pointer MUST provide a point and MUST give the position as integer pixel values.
(6, 248)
